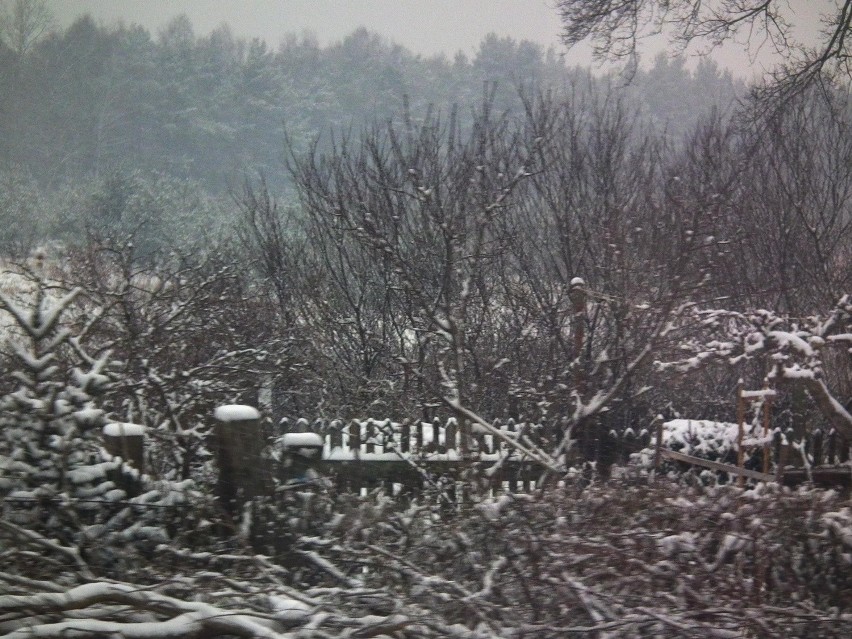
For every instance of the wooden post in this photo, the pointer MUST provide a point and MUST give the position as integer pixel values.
(304, 451)
(405, 436)
(389, 434)
(767, 413)
(238, 445)
(511, 472)
(418, 436)
(126, 441)
(832, 447)
(740, 431)
(355, 438)
(335, 435)
(658, 456)
(816, 447)
(465, 439)
(577, 295)
(450, 435)
(781, 462)
(370, 436)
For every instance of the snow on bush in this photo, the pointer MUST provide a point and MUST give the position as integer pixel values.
(716, 441)
(57, 484)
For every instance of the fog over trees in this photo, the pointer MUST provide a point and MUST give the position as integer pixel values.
(354, 232)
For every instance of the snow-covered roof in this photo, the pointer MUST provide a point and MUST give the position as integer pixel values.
(236, 413)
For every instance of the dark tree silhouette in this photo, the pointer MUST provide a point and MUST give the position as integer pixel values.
(616, 30)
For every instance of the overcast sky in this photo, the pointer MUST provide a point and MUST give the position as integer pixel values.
(423, 26)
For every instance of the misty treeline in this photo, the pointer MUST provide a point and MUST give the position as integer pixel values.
(88, 101)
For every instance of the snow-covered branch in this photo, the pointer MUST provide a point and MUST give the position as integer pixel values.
(794, 350)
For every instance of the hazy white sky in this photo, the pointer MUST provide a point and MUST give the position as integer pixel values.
(423, 26)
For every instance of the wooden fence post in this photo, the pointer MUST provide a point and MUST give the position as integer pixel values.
(816, 447)
(465, 439)
(418, 436)
(370, 436)
(450, 434)
(767, 413)
(577, 295)
(405, 436)
(303, 452)
(658, 454)
(781, 462)
(238, 445)
(335, 434)
(355, 438)
(740, 430)
(126, 441)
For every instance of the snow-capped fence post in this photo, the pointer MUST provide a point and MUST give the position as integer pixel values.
(238, 445)
(126, 441)
(335, 434)
(837, 450)
(781, 462)
(436, 435)
(370, 436)
(450, 434)
(465, 438)
(303, 451)
(832, 446)
(740, 430)
(355, 437)
(816, 447)
(577, 295)
(764, 397)
(405, 437)
(767, 411)
(418, 435)
(658, 455)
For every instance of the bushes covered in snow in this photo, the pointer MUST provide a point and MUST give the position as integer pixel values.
(609, 560)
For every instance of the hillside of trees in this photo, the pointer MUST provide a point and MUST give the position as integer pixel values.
(92, 117)
(89, 100)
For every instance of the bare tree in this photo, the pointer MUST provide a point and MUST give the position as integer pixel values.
(617, 28)
(529, 266)
(791, 226)
(185, 335)
(23, 23)
(809, 353)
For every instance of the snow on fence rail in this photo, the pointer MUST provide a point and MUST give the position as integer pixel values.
(387, 440)
(378, 439)
(409, 455)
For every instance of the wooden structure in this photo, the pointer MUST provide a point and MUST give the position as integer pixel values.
(821, 460)
(451, 456)
(413, 455)
(764, 400)
(238, 444)
(126, 441)
(408, 457)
